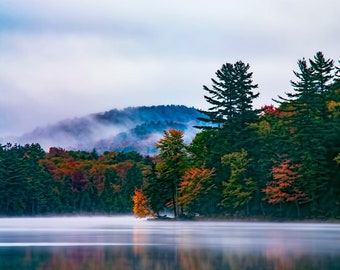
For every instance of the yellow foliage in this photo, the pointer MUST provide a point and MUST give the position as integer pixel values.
(334, 108)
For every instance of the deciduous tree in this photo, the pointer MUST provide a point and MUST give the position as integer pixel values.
(195, 183)
(284, 186)
(171, 166)
(140, 205)
(238, 189)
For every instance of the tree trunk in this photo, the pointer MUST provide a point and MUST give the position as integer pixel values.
(262, 209)
(174, 204)
(297, 208)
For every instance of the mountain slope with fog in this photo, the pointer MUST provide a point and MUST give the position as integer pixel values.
(130, 129)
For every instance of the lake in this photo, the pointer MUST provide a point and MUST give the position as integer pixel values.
(124, 242)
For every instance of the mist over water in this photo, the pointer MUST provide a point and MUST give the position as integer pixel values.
(124, 242)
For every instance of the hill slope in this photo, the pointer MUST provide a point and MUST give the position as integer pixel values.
(133, 128)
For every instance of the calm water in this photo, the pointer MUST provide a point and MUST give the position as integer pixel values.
(128, 243)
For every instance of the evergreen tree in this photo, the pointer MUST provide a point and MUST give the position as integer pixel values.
(205, 151)
(152, 189)
(231, 97)
(323, 72)
(13, 184)
(133, 180)
(39, 183)
(306, 115)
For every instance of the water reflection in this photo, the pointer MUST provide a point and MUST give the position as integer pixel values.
(127, 243)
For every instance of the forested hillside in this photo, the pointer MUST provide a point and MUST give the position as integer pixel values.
(130, 129)
(282, 160)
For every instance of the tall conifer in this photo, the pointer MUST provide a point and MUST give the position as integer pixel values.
(231, 97)
(306, 117)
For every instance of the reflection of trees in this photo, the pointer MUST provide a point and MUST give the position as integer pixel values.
(159, 258)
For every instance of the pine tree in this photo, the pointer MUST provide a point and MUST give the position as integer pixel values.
(156, 196)
(231, 97)
(323, 72)
(306, 115)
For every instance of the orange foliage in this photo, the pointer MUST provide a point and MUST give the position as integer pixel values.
(140, 208)
(192, 185)
(283, 187)
(123, 168)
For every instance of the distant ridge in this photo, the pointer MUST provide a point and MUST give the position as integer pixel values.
(130, 129)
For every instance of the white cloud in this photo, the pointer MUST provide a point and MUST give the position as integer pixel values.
(62, 58)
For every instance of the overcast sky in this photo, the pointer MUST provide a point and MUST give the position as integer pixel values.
(63, 59)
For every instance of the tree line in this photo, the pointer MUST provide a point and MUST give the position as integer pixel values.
(33, 182)
(277, 161)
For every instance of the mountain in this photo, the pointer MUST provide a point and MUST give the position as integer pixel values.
(131, 129)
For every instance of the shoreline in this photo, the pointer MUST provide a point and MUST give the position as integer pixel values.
(248, 219)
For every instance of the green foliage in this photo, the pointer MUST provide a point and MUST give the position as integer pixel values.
(231, 95)
(171, 166)
(153, 189)
(238, 189)
(25, 188)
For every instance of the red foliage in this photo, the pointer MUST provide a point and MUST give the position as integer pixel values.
(283, 187)
(270, 110)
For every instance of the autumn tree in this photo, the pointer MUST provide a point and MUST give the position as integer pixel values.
(195, 183)
(140, 204)
(284, 188)
(171, 166)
